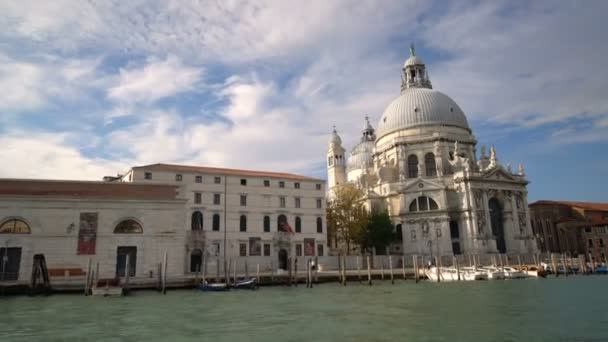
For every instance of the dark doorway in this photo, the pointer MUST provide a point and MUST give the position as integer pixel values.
(196, 260)
(10, 262)
(497, 225)
(121, 260)
(456, 248)
(454, 231)
(283, 259)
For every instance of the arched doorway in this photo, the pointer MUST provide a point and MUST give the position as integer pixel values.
(196, 260)
(497, 224)
(283, 259)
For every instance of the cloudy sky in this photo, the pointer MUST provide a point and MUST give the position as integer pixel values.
(90, 88)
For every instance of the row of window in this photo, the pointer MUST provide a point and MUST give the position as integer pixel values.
(19, 226)
(600, 242)
(218, 180)
(282, 223)
(300, 251)
(198, 199)
(429, 165)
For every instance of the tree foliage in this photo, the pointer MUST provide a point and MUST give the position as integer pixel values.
(347, 218)
(379, 232)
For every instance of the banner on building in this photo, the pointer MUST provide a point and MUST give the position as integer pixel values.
(309, 247)
(255, 246)
(87, 233)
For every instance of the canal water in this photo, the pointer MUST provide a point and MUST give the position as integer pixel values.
(562, 309)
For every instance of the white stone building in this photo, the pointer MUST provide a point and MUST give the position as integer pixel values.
(185, 211)
(421, 165)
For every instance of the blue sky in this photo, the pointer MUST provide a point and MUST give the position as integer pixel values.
(89, 89)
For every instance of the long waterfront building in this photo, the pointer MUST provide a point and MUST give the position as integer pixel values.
(184, 211)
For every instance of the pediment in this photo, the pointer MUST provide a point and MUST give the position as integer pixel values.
(421, 184)
(498, 174)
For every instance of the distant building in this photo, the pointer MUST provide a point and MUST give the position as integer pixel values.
(422, 166)
(187, 211)
(571, 227)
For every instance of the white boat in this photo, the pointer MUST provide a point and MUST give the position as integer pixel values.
(107, 288)
(513, 273)
(451, 274)
(493, 273)
(472, 273)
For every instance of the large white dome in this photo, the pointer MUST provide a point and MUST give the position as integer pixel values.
(420, 107)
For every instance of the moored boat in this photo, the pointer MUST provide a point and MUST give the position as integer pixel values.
(451, 274)
(246, 284)
(107, 288)
(213, 287)
(492, 272)
(513, 273)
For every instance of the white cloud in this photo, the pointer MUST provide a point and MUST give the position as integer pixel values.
(50, 155)
(155, 80)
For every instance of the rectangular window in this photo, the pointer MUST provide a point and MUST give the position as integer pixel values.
(601, 242)
(266, 183)
(243, 249)
(318, 186)
(198, 198)
(217, 180)
(216, 222)
(266, 249)
(243, 200)
(282, 202)
(319, 203)
(297, 202)
(215, 248)
(243, 181)
(281, 184)
(298, 249)
(216, 199)
(590, 243)
(296, 185)
(319, 250)
(148, 175)
(587, 229)
(178, 177)
(198, 179)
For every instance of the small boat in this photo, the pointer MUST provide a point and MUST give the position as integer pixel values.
(247, 284)
(534, 271)
(472, 273)
(107, 288)
(600, 269)
(492, 272)
(513, 273)
(213, 287)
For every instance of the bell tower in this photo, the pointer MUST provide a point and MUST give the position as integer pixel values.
(336, 169)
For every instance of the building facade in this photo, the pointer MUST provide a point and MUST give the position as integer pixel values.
(422, 166)
(571, 227)
(187, 212)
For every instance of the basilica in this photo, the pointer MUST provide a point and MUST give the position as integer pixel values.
(421, 165)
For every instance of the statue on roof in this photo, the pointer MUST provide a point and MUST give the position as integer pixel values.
(412, 50)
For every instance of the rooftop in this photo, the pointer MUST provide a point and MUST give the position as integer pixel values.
(223, 171)
(594, 206)
(86, 189)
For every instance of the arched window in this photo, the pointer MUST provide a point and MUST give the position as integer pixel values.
(266, 223)
(412, 166)
(298, 224)
(429, 165)
(243, 223)
(319, 225)
(216, 222)
(128, 226)
(282, 223)
(14, 226)
(423, 203)
(398, 232)
(197, 220)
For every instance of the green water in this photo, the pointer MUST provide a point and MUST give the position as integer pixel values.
(563, 309)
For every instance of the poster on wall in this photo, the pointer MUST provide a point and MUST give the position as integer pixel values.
(87, 233)
(309, 247)
(255, 246)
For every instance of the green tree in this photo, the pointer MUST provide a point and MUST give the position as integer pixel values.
(379, 232)
(347, 218)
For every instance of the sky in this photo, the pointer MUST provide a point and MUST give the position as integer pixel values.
(92, 88)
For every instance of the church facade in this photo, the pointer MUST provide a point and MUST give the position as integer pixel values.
(421, 165)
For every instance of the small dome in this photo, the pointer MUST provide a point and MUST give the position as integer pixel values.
(361, 156)
(413, 60)
(335, 138)
(420, 107)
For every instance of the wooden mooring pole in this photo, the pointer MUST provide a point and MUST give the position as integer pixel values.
(455, 262)
(381, 268)
(369, 272)
(554, 265)
(403, 266)
(166, 261)
(390, 265)
(257, 274)
(317, 270)
(359, 267)
(415, 260)
(88, 280)
(437, 268)
(295, 271)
